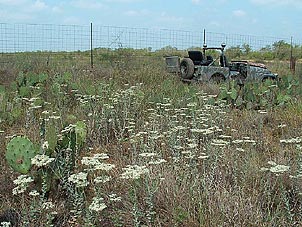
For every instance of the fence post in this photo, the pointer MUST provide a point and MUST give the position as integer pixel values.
(91, 46)
(292, 59)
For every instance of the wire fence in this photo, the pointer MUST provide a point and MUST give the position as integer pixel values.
(74, 39)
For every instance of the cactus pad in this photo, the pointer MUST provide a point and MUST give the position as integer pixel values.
(51, 137)
(19, 152)
(81, 132)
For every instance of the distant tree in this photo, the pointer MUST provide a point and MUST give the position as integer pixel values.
(246, 48)
(168, 48)
(267, 48)
(281, 49)
(234, 52)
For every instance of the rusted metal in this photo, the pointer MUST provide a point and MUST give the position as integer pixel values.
(199, 67)
(173, 64)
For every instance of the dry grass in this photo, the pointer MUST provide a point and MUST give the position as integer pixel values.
(224, 187)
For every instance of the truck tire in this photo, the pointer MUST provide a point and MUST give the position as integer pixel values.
(186, 68)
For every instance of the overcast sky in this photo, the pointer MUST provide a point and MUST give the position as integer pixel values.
(277, 18)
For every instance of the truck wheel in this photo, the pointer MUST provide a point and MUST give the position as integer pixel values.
(186, 68)
(217, 78)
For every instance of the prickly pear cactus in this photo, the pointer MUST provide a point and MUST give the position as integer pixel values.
(19, 152)
(75, 137)
(51, 137)
(81, 132)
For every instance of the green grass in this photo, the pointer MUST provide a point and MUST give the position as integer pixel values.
(196, 161)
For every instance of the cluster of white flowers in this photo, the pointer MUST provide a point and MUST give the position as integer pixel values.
(54, 117)
(101, 156)
(292, 140)
(5, 224)
(22, 183)
(96, 162)
(47, 205)
(276, 168)
(115, 198)
(279, 169)
(68, 128)
(157, 162)
(102, 179)
(23, 179)
(34, 193)
(202, 131)
(192, 145)
(192, 104)
(41, 160)
(34, 107)
(45, 145)
(79, 179)
(220, 142)
(134, 172)
(225, 137)
(147, 155)
(104, 166)
(240, 149)
(203, 156)
(97, 204)
(244, 140)
(90, 161)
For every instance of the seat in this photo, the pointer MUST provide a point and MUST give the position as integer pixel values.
(208, 61)
(196, 56)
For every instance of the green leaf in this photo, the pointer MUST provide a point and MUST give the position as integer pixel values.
(223, 94)
(51, 137)
(233, 94)
(19, 153)
(2, 89)
(43, 77)
(81, 132)
(24, 91)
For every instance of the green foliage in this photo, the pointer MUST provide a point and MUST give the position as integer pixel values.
(19, 152)
(24, 92)
(234, 52)
(75, 136)
(2, 98)
(180, 215)
(81, 132)
(281, 49)
(257, 95)
(278, 50)
(229, 92)
(51, 137)
(158, 116)
(31, 79)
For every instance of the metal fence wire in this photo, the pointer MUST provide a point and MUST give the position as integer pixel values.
(60, 39)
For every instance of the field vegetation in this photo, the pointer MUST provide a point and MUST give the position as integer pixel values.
(126, 144)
